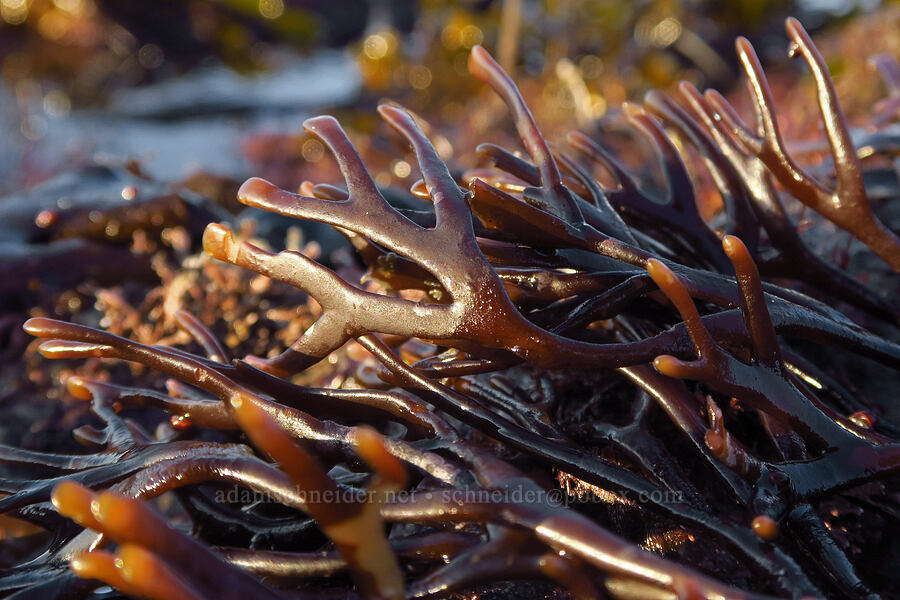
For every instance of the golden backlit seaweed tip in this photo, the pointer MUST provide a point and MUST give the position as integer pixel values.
(664, 278)
(104, 566)
(219, 243)
(79, 387)
(744, 265)
(122, 516)
(479, 60)
(420, 190)
(264, 431)
(307, 188)
(68, 349)
(765, 527)
(299, 464)
(734, 247)
(74, 501)
(370, 446)
(151, 577)
(677, 293)
(670, 365)
(763, 338)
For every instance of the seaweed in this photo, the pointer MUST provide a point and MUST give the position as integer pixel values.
(700, 465)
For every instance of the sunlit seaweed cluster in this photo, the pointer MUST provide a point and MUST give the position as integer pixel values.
(561, 382)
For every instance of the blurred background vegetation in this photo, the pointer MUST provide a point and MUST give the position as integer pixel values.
(576, 60)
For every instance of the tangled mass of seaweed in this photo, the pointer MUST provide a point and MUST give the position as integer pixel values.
(548, 380)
